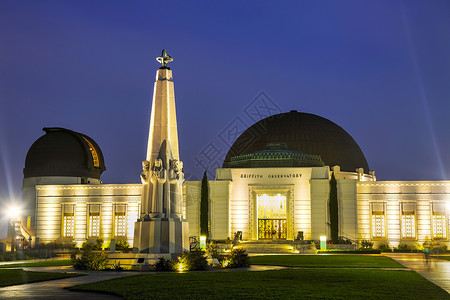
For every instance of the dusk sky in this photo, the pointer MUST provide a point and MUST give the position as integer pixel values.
(378, 69)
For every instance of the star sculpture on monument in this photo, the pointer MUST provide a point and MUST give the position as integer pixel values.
(164, 59)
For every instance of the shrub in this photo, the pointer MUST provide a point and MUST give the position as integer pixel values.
(366, 244)
(193, 261)
(117, 267)
(407, 247)
(123, 246)
(211, 249)
(164, 264)
(238, 258)
(89, 260)
(384, 247)
(89, 245)
(439, 248)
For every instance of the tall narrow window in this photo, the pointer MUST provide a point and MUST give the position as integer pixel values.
(408, 220)
(68, 220)
(120, 220)
(93, 153)
(94, 220)
(378, 220)
(439, 221)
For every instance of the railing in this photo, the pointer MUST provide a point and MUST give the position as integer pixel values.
(348, 237)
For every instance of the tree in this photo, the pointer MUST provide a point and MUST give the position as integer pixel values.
(204, 216)
(334, 210)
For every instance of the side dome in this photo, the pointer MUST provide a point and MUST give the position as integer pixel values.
(301, 132)
(63, 152)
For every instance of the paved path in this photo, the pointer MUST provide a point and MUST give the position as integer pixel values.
(436, 270)
(55, 289)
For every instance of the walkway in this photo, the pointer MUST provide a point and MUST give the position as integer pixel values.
(55, 289)
(436, 271)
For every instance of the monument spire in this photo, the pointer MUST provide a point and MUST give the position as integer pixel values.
(163, 121)
(160, 228)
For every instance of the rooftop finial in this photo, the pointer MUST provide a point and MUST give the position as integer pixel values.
(164, 59)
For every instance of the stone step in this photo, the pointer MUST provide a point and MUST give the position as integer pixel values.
(266, 247)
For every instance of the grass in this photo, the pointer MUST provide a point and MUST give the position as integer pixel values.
(18, 276)
(279, 284)
(47, 263)
(327, 261)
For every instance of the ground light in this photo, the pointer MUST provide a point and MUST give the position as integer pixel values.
(203, 242)
(323, 242)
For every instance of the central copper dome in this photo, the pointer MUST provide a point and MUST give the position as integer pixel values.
(301, 132)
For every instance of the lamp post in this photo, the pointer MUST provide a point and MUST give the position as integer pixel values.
(13, 214)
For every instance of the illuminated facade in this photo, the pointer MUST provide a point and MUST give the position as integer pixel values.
(274, 184)
(76, 213)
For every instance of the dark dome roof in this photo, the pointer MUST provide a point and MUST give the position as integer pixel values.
(62, 152)
(301, 132)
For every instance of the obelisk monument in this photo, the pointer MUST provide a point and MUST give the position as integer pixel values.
(161, 228)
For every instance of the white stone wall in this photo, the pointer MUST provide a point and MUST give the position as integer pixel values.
(320, 193)
(192, 197)
(348, 221)
(219, 193)
(51, 198)
(393, 193)
(219, 210)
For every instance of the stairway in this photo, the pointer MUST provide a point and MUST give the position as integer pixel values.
(276, 247)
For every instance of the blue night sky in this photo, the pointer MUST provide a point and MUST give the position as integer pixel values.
(379, 69)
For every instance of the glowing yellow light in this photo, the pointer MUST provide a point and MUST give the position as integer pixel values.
(225, 263)
(378, 229)
(93, 153)
(68, 226)
(203, 242)
(180, 267)
(408, 226)
(13, 211)
(439, 228)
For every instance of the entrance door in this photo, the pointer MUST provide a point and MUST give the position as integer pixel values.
(271, 216)
(271, 229)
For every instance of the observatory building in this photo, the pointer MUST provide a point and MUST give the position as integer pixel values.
(276, 182)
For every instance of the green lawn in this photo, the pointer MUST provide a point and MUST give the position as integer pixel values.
(280, 284)
(18, 276)
(327, 261)
(47, 263)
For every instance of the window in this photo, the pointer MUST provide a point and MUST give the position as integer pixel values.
(378, 220)
(439, 230)
(408, 220)
(439, 221)
(120, 221)
(93, 153)
(271, 206)
(94, 220)
(378, 229)
(68, 220)
(408, 227)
